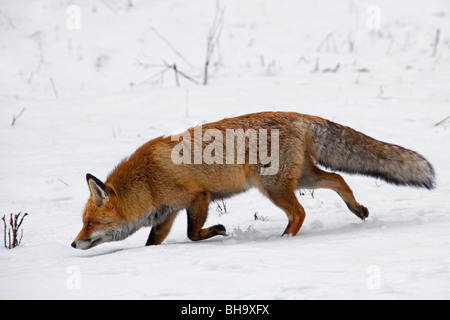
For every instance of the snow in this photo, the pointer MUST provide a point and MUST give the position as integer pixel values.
(91, 98)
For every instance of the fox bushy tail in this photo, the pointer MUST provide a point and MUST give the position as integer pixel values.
(341, 148)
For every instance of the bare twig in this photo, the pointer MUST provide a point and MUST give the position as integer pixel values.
(316, 66)
(177, 52)
(442, 121)
(148, 65)
(4, 231)
(13, 230)
(221, 206)
(329, 42)
(63, 182)
(177, 81)
(17, 117)
(187, 77)
(54, 88)
(14, 226)
(178, 72)
(256, 216)
(213, 39)
(332, 70)
(436, 42)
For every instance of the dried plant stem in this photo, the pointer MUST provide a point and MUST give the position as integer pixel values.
(14, 225)
(17, 117)
(213, 39)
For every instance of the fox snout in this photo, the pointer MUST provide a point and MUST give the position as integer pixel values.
(86, 240)
(88, 243)
(82, 244)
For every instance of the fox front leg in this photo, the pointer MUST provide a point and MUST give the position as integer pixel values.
(197, 213)
(159, 232)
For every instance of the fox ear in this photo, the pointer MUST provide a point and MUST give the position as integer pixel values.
(98, 190)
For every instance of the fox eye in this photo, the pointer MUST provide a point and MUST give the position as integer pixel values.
(89, 224)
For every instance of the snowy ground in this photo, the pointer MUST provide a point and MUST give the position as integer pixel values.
(91, 97)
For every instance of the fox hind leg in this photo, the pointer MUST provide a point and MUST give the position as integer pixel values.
(283, 196)
(289, 204)
(315, 178)
(336, 183)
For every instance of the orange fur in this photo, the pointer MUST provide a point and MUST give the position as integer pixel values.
(148, 188)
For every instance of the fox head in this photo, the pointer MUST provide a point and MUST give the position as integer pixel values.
(101, 218)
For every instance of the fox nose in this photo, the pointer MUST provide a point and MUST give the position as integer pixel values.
(73, 245)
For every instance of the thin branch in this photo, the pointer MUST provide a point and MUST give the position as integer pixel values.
(54, 88)
(156, 75)
(9, 239)
(178, 72)
(178, 53)
(213, 39)
(187, 77)
(148, 65)
(4, 230)
(329, 42)
(442, 121)
(177, 81)
(21, 220)
(62, 181)
(436, 42)
(17, 117)
(14, 226)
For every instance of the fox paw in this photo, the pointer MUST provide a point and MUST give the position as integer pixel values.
(361, 212)
(220, 230)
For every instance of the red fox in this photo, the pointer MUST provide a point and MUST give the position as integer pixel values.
(166, 175)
